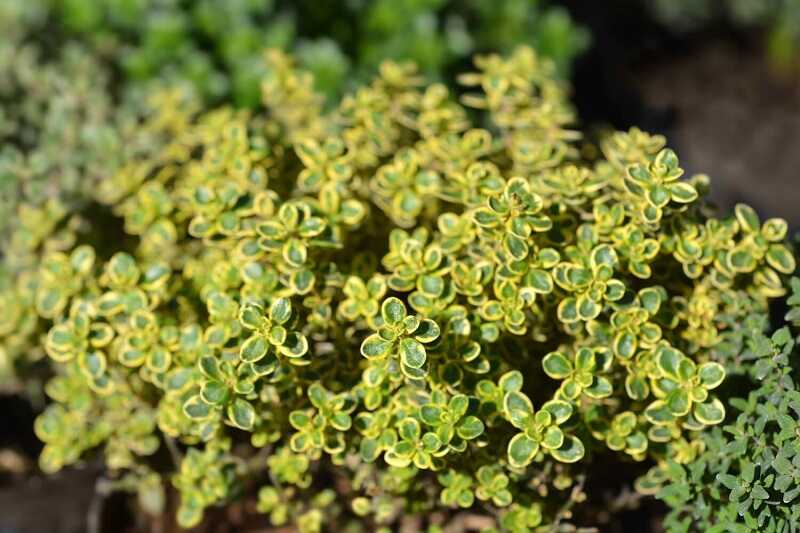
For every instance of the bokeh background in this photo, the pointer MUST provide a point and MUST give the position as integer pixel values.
(719, 79)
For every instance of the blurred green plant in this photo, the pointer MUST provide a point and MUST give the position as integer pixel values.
(61, 134)
(67, 117)
(336, 41)
(434, 315)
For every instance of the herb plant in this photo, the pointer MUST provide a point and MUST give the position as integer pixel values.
(61, 133)
(744, 476)
(404, 305)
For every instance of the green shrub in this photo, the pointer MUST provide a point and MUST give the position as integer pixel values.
(54, 119)
(398, 306)
(67, 119)
(61, 128)
(337, 41)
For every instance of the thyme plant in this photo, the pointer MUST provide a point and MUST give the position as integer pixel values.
(61, 133)
(745, 475)
(405, 305)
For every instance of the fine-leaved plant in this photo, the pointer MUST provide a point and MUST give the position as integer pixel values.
(404, 305)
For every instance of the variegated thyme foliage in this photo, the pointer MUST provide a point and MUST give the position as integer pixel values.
(447, 305)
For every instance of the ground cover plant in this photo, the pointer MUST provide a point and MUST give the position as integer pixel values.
(77, 73)
(744, 474)
(62, 127)
(411, 304)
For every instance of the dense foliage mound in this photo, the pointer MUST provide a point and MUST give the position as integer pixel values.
(404, 305)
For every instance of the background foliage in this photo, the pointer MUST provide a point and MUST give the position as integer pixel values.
(337, 41)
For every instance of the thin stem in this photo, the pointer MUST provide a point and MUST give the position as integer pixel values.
(94, 516)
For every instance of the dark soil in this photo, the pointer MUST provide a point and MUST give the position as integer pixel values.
(736, 121)
(54, 504)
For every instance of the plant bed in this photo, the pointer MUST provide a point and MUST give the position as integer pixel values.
(419, 307)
